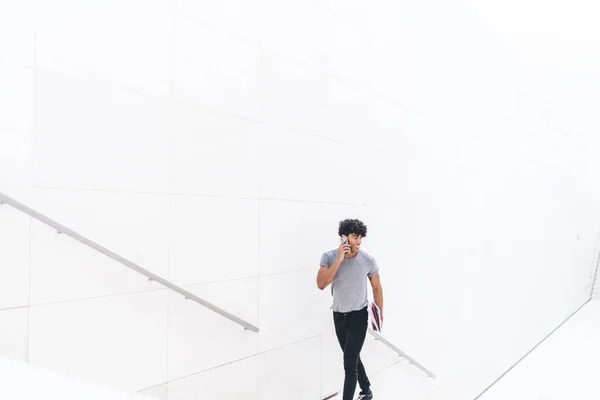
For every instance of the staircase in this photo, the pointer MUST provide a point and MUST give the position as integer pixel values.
(22, 381)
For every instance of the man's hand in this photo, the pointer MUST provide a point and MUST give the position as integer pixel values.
(343, 250)
(377, 293)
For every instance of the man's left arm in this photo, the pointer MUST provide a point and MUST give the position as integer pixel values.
(377, 292)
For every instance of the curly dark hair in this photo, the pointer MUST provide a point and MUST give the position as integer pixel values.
(349, 226)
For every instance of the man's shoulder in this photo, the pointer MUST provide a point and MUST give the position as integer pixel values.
(367, 255)
(328, 257)
(330, 253)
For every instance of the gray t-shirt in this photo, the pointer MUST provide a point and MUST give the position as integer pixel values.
(349, 286)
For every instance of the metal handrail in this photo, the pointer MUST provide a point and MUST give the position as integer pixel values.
(4, 199)
(596, 276)
(402, 354)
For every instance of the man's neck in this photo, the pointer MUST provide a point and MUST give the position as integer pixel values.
(352, 255)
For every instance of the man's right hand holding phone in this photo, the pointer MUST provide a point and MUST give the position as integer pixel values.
(343, 250)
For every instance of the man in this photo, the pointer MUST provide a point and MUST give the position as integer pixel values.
(347, 269)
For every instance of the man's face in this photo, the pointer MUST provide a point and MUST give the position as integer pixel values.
(354, 241)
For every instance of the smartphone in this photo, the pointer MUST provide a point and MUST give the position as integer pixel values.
(344, 240)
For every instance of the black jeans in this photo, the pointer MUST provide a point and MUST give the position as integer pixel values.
(351, 330)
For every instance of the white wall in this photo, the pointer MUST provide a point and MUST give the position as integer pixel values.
(219, 143)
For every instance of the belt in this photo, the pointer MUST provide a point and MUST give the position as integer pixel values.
(349, 313)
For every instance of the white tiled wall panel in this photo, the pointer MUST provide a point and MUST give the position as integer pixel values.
(72, 37)
(213, 239)
(192, 328)
(295, 166)
(230, 15)
(215, 70)
(238, 296)
(309, 46)
(348, 112)
(237, 380)
(17, 32)
(296, 95)
(119, 341)
(16, 157)
(213, 154)
(16, 97)
(14, 258)
(64, 269)
(349, 55)
(102, 124)
(288, 309)
(134, 225)
(13, 335)
(292, 371)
